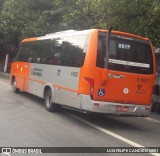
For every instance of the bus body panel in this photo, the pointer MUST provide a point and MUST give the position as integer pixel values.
(63, 92)
(59, 76)
(64, 80)
(122, 87)
(21, 72)
(88, 69)
(67, 98)
(113, 108)
(36, 87)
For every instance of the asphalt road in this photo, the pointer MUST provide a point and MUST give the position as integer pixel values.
(24, 122)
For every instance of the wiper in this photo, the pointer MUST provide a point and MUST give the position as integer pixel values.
(108, 47)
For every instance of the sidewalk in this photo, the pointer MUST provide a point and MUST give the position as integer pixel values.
(154, 116)
(4, 75)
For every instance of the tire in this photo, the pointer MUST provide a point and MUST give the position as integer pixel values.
(50, 106)
(14, 88)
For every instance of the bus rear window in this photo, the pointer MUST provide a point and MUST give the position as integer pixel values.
(126, 54)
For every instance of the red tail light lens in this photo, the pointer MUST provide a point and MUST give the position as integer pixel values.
(91, 83)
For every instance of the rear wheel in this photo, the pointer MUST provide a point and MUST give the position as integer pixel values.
(50, 106)
(14, 88)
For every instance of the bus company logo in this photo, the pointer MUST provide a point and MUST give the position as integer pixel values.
(125, 90)
(6, 151)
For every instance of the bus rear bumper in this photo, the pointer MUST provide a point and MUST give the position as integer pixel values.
(87, 104)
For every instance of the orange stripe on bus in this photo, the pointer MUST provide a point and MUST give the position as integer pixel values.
(60, 87)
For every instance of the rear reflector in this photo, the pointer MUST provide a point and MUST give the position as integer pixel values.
(90, 81)
(147, 108)
(96, 104)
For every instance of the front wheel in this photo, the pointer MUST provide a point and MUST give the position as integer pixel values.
(14, 88)
(51, 107)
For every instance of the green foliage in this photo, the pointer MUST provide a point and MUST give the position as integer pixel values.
(28, 18)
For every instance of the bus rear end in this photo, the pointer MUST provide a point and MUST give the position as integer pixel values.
(120, 77)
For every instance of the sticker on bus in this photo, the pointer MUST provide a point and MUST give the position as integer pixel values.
(101, 92)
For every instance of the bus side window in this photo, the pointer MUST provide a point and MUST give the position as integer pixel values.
(23, 54)
(73, 50)
(16, 54)
(16, 57)
(32, 56)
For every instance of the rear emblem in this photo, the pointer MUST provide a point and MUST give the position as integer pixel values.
(125, 90)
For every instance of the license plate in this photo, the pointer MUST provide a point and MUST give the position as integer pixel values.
(122, 108)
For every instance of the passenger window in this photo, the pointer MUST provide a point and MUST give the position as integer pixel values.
(73, 51)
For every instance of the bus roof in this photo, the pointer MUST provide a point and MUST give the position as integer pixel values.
(64, 34)
(81, 32)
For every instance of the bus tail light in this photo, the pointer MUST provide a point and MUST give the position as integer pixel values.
(91, 83)
(96, 104)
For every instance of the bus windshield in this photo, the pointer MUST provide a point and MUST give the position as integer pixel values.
(126, 54)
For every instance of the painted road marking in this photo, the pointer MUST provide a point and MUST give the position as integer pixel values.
(153, 120)
(132, 143)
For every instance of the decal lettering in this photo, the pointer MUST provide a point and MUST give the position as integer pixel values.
(143, 80)
(74, 74)
(124, 46)
(139, 87)
(128, 63)
(36, 71)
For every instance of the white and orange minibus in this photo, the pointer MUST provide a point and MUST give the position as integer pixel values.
(94, 70)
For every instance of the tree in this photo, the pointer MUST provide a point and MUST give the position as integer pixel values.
(141, 17)
(27, 18)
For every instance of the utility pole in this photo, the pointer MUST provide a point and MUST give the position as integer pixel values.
(6, 63)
